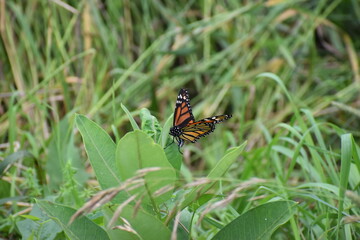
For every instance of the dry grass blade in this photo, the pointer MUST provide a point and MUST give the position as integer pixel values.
(106, 195)
(142, 172)
(163, 190)
(138, 204)
(198, 182)
(175, 226)
(126, 227)
(233, 195)
(119, 210)
(351, 219)
(66, 6)
(354, 197)
(96, 201)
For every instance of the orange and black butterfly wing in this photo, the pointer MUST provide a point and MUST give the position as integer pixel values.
(184, 126)
(183, 113)
(193, 131)
(216, 119)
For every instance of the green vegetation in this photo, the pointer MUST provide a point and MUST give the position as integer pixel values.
(87, 93)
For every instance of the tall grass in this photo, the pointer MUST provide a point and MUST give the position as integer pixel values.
(288, 72)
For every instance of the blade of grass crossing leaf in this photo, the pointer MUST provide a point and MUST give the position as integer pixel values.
(346, 155)
(132, 121)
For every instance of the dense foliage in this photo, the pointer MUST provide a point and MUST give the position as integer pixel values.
(288, 72)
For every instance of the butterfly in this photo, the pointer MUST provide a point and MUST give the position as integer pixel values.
(185, 128)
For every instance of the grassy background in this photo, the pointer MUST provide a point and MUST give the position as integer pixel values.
(58, 58)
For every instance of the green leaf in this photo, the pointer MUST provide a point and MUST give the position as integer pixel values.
(100, 149)
(150, 125)
(81, 228)
(43, 230)
(135, 151)
(132, 120)
(218, 171)
(12, 158)
(61, 150)
(165, 131)
(145, 225)
(5, 190)
(258, 223)
(171, 150)
(31, 217)
(174, 156)
(346, 157)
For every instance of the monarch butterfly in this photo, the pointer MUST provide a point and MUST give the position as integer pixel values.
(185, 128)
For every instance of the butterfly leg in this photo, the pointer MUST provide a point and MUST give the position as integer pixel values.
(180, 150)
(180, 144)
(170, 143)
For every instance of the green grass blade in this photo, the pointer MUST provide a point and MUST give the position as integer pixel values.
(165, 131)
(218, 171)
(131, 119)
(346, 156)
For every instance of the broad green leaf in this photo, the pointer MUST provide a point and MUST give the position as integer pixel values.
(81, 228)
(145, 225)
(174, 156)
(258, 223)
(43, 230)
(100, 149)
(218, 171)
(135, 151)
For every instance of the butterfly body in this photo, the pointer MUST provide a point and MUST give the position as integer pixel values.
(185, 128)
